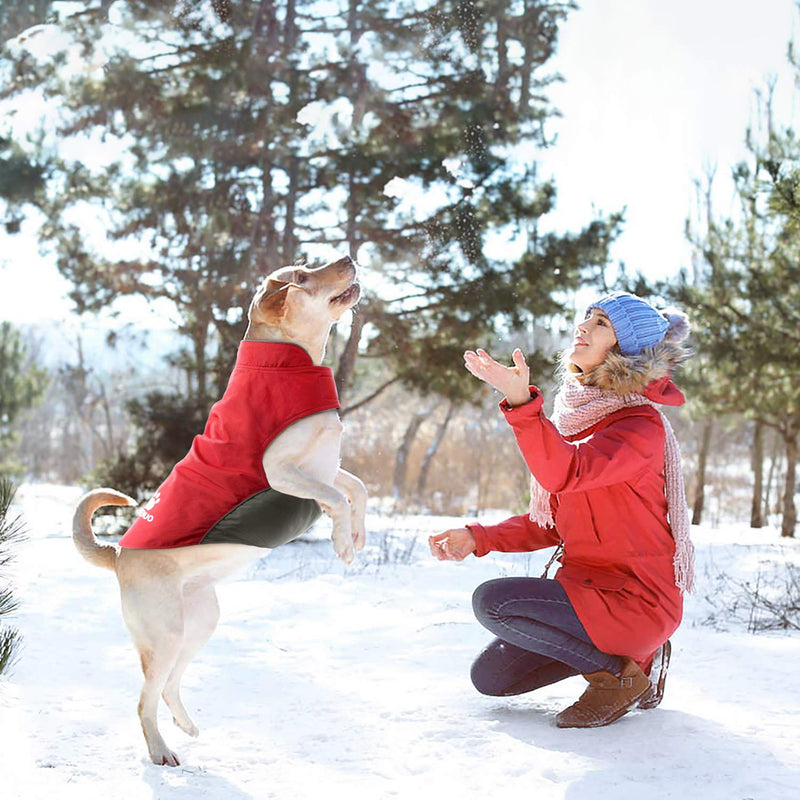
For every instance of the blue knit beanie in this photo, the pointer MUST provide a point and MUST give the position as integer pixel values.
(636, 323)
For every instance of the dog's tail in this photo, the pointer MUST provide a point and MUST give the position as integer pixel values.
(102, 555)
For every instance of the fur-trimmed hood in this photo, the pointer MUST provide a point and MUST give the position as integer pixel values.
(628, 374)
(649, 372)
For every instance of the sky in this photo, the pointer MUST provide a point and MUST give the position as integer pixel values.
(654, 95)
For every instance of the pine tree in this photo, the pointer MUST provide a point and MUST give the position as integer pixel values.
(21, 385)
(224, 175)
(746, 302)
(249, 135)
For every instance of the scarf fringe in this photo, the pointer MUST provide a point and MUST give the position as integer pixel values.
(579, 407)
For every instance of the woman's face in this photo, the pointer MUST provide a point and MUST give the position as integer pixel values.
(594, 337)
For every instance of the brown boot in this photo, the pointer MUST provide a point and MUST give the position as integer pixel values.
(607, 698)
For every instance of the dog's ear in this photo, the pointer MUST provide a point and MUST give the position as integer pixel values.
(269, 303)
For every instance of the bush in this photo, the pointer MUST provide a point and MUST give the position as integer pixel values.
(774, 600)
(166, 425)
(770, 602)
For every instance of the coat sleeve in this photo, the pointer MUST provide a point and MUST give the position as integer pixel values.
(514, 535)
(632, 442)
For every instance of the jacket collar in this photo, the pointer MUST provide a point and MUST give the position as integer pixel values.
(277, 355)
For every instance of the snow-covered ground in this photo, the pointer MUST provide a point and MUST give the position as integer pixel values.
(322, 682)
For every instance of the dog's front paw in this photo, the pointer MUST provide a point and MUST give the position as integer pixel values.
(187, 726)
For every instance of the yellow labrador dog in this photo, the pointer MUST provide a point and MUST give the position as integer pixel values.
(167, 585)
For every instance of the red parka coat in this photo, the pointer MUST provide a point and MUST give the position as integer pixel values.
(610, 511)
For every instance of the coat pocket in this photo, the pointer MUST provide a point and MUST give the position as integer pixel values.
(593, 577)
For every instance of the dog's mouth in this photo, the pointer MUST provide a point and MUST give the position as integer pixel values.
(349, 296)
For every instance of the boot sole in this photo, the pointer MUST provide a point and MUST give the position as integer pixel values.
(608, 720)
(656, 692)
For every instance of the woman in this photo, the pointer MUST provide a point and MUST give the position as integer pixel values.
(607, 490)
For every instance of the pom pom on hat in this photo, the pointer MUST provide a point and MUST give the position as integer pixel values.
(679, 326)
(638, 325)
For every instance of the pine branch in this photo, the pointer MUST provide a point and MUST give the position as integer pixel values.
(9, 649)
(11, 533)
(8, 603)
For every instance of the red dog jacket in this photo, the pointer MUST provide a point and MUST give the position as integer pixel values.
(272, 385)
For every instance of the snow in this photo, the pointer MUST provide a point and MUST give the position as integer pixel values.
(325, 681)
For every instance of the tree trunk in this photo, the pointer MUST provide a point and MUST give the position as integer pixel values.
(757, 505)
(109, 442)
(264, 239)
(502, 55)
(773, 471)
(401, 459)
(422, 480)
(289, 238)
(702, 461)
(789, 510)
(353, 239)
(347, 362)
(199, 369)
(265, 25)
(290, 28)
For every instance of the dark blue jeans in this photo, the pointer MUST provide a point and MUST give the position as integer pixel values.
(540, 639)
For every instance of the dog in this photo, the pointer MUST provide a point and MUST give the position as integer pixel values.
(169, 603)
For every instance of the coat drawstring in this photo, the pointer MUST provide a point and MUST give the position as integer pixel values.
(556, 555)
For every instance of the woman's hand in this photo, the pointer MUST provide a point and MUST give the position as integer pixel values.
(452, 545)
(512, 381)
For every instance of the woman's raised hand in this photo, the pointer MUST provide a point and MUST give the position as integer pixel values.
(452, 545)
(512, 381)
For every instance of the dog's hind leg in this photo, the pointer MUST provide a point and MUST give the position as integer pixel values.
(153, 612)
(200, 617)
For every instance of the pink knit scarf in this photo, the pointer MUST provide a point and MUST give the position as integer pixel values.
(579, 407)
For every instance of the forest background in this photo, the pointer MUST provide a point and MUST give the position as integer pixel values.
(174, 153)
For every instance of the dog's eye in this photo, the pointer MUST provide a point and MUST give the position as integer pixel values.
(300, 278)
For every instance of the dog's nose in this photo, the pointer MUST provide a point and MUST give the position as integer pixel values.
(346, 263)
